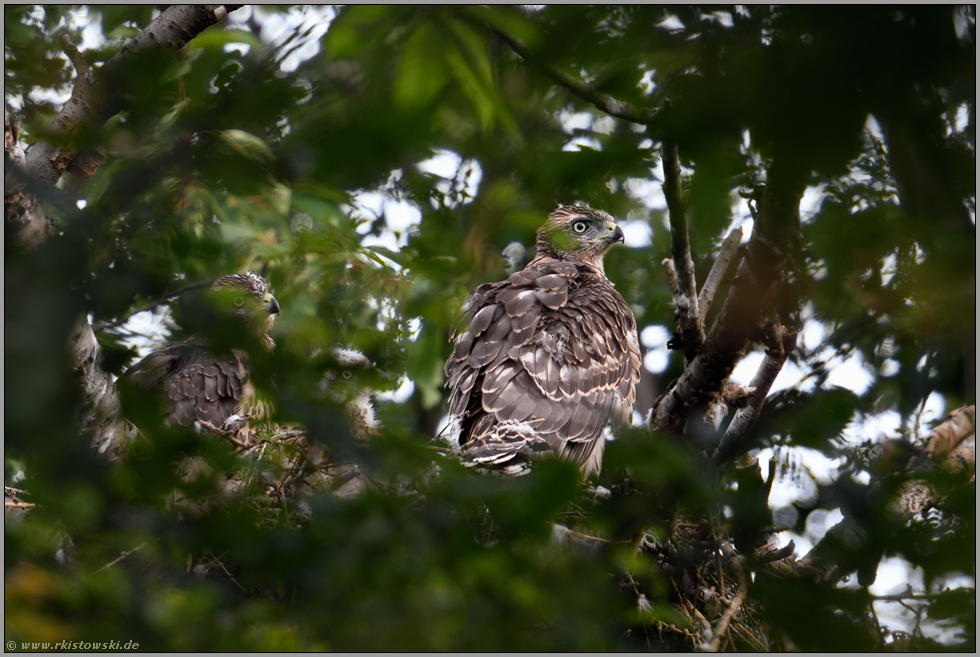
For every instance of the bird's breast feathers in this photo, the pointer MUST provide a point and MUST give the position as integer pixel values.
(553, 347)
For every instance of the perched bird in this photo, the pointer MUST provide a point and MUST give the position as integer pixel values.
(351, 384)
(206, 388)
(347, 386)
(549, 356)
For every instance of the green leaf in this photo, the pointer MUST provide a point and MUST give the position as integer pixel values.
(247, 145)
(813, 419)
(122, 32)
(422, 73)
(216, 38)
(476, 75)
(472, 86)
(425, 360)
(506, 20)
(353, 30)
(281, 197)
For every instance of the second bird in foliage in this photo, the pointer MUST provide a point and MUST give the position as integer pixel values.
(207, 388)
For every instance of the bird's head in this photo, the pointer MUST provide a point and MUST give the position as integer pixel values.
(352, 381)
(251, 300)
(574, 232)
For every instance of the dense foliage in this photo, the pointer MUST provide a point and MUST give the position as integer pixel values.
(279, 143)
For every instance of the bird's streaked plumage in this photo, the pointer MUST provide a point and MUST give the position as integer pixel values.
(205, 389)
(548, 356)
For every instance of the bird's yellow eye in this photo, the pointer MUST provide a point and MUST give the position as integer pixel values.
(239, 301)
(346, 374)
(579, 227)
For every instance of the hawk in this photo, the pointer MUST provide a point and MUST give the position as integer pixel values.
(349, 384)
(345, 386)
(204, 388)
(549, 356)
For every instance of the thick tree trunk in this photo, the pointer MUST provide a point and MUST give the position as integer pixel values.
(750, 302)
(27, 225)
(99, 95)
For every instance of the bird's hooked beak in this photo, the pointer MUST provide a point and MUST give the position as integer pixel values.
(615, 234)
(272, 307)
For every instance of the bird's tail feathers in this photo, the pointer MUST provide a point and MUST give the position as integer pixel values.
(507, 447)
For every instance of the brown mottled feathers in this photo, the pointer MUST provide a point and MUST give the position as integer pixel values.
(211, 390)
(199, 386)
(550, 356)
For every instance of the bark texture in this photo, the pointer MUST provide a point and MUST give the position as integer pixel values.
(27, 225)
(775, 239)
(98, 95)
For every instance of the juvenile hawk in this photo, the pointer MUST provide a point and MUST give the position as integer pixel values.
(549, 356)
(205, 388)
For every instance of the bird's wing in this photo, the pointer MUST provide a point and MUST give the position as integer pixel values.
(549, 354)
(200, 387)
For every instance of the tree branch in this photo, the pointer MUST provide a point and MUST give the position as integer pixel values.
(690, 332)
(27, 224)
(102, 326)
(582, 89)
(725, 256)
(775, 237)
(950, 447)
(726, 619)
(745, 418)
(102, 419)
(98, 95)
(74, 56)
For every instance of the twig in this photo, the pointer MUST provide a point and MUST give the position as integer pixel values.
(748, 636)
(899, 597)
(661, 625)
(746, 306)
(642, 605)
(121, 557)
(745, 418)
(726, 618)
(257, 446)
(776, 555)
(690, 329)
(74, 56)
(228, 435)
(728, 249)
(561, 534)
(582, 89)
(102, 326)
(717, 552)
(771, 479)
(215, 561)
